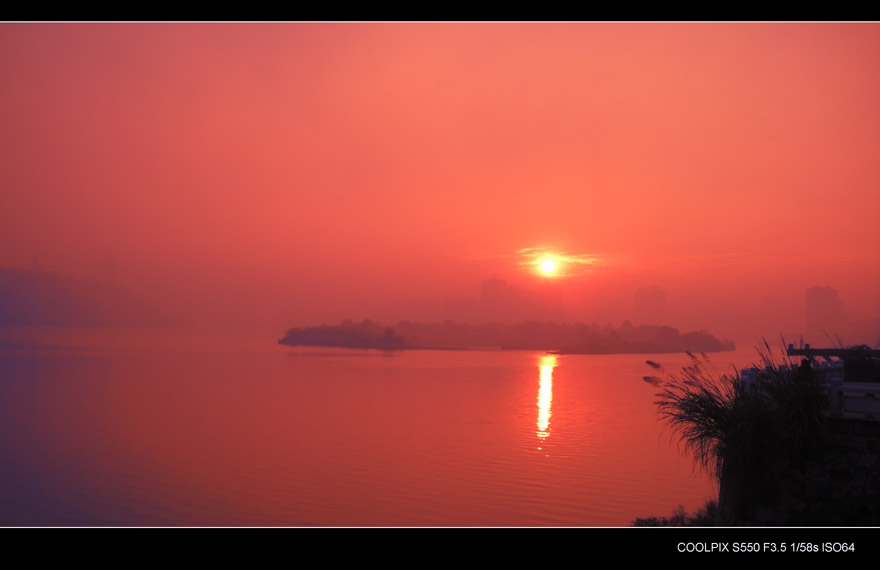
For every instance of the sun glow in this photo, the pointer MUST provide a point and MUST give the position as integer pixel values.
(552, 263)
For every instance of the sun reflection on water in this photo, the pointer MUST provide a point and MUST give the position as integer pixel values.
(545, 396)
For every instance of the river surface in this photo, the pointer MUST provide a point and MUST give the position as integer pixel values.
(117, 427)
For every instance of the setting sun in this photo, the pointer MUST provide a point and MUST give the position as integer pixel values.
(548, 266)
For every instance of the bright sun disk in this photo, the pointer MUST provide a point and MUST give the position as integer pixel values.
(548, 265)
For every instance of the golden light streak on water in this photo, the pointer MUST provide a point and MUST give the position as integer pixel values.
(545, 396)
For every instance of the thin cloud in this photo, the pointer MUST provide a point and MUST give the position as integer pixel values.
(569, 264)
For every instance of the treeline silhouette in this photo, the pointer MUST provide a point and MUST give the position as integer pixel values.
(529, 335)
(347, 335)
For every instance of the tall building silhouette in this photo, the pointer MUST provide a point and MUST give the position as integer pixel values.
(824, 311)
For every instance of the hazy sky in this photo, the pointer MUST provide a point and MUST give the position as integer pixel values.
(291, 174)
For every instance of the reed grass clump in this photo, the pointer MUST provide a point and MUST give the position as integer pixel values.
(748, 435)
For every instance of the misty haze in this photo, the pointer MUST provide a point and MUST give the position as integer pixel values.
(443, 250)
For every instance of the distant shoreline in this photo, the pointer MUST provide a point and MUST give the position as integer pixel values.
(556, 338)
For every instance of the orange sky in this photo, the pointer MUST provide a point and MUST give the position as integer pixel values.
(291, 174)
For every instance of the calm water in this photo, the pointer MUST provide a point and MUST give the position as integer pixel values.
(183, 428)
